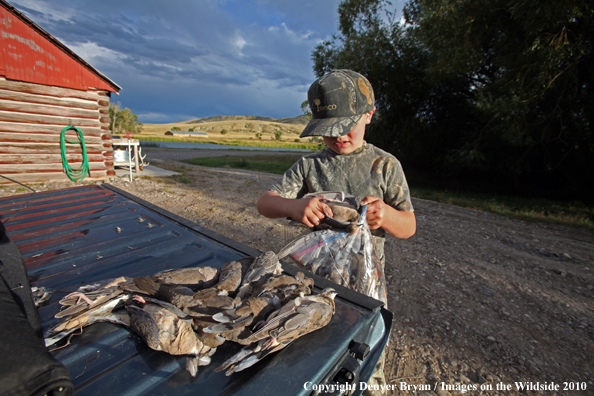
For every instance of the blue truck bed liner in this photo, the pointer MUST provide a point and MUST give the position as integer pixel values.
(81, 235)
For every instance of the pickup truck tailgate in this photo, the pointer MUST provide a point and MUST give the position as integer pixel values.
(77, 236)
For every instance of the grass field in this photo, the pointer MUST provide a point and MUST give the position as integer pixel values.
(230, 142)
(263, 163)
(233, 131)
(533, 209)
(568, 213)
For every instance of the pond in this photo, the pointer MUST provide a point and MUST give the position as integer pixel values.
(212, 146)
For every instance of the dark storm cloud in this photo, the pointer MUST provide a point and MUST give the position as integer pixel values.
(195, 58)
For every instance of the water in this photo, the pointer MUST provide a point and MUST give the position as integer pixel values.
(212, 146)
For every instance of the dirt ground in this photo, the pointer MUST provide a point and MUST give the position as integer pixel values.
(480, 301)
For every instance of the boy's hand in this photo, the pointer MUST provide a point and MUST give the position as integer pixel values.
(310, 211)
(376, 212)
(398, 223)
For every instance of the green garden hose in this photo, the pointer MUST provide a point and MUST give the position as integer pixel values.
(75, 174)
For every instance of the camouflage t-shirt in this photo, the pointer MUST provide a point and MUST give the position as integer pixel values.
(367, 171)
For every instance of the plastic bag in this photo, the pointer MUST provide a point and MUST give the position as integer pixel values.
(344, 255)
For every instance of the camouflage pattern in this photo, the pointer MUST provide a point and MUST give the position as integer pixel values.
(333, 127)
(367, 171)
(337, 101)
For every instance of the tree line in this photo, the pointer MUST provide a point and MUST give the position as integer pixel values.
(497, 93)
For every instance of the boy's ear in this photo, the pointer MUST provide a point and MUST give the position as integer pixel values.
(369, 115)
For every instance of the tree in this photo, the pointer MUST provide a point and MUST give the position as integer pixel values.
(123, 120)
(413, 114)
(497, 89)
(530, 69)
(305, 109)
(114, 108)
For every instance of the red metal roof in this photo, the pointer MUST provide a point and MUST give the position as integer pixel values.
(28, 53)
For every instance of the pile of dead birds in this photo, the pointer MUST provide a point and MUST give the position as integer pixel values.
(192, 311)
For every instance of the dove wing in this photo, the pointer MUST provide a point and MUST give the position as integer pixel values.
(197, 277)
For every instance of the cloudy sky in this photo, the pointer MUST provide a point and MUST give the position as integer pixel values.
(177, 60)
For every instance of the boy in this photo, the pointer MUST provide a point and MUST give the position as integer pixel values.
(342, 104)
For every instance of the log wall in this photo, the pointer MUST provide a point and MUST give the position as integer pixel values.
(32, 117)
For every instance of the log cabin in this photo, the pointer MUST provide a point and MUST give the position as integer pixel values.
(44, 88)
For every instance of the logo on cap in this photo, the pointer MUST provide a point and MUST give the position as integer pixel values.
(317, 102)
(329, 107)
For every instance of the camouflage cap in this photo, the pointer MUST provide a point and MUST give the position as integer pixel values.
(337, 101)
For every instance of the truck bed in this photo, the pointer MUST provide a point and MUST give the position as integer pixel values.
(81, 235)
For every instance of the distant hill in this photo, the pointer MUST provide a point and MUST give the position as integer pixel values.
(299, 120)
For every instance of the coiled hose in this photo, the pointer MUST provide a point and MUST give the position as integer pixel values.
(74, 174)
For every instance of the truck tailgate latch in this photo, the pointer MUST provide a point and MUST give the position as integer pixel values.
(343, 380)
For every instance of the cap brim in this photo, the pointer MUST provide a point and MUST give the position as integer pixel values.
(331, 127)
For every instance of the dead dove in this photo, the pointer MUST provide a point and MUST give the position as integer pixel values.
(215, 299)
(293, 320)
(163, 329)
(183, 297)
(262, 268)
(91, 295)
(228, 282)
(341, 216)
(341, 211)
(230, 277)
(262, 291)
(180, 296)
(195, 277)
(98, 311)
(265, 299)
(89, 304)
(285, 284)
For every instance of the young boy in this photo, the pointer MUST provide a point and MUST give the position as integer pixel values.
(342, 104)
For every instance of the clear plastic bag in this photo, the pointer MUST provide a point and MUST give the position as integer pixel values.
(345, 256)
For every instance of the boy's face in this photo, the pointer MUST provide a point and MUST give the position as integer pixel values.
(350, 142)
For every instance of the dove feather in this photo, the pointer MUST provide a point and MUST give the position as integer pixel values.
(295, 322)
(235, 358)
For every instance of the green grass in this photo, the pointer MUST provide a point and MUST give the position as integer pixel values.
(263, 163)
(181, 179)
(530, 209)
